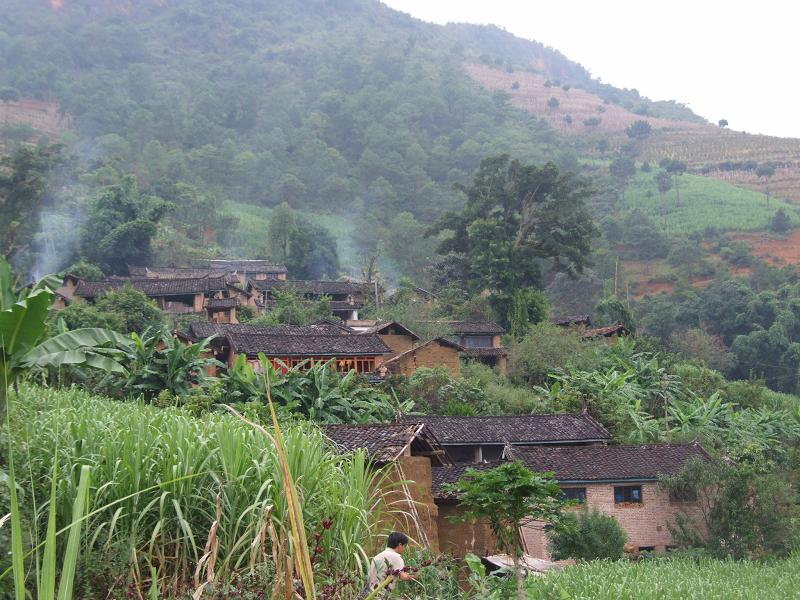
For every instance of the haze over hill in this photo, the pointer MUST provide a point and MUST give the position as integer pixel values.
(359, 117)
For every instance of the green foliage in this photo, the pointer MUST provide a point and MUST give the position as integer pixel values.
(157, 470)
(507, 498)
(516, 215)
(747, 513)
(160, 363)
(23, 179)
(695, 344)
(312, 252)
(546, 349)
(81, 314)
(287, 307)
(643, 239)
(687, 578)
(282, 228)
(120, 227)
(612, 311)
(135, 310)
(780, 222)
(639, 130)
(85, 270)
(587, 535)
(317, 393)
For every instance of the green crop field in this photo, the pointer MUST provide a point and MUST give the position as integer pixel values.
(704, 203)
(665, 579)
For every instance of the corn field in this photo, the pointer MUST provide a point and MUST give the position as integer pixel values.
(176, 499)
(669, 579)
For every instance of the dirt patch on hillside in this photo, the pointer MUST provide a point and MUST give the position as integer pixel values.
(575, 106)
(776, 251)
(44, 117)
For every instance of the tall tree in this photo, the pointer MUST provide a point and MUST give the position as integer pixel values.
(23, 182)
(282, 226)
(120, 227)
(517, 215)
(312, 253)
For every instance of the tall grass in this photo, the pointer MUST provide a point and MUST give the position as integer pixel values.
(166, 478)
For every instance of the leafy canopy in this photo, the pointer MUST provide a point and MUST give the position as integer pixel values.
(515, 216)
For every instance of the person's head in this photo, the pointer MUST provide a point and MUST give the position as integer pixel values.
(397, 541)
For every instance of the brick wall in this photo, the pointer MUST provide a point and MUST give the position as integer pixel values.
(429, 355)
(645, 523)
(398, 344)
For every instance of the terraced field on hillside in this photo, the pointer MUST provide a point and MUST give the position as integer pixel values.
(697, 144)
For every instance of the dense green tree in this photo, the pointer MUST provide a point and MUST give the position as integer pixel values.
(639, 130)
(85, 270)
(80, 314)
(643, 239)
(23, 186)
(288, 308)
(780, 222)
(135, 310)
(765, 172)
(313, 253)
(722, 122)
(515, 216)
(120, 227)
(282, 228)
(622, 168)
(588, 535)
(613, 311)
(676, 168)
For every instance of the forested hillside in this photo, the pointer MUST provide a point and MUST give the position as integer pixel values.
(341, 107)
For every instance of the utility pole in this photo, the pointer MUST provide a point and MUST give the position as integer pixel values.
(664, 387)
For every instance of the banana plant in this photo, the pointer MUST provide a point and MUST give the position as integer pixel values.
(23, 342)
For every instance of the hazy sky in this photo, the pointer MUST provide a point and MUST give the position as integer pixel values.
(730, 60)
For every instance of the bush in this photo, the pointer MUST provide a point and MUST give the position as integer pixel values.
(136, 310)
(546, 349)
(587, 536)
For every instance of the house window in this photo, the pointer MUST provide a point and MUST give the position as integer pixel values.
(578, 494)
(476, 341)
(647, 548)
(627, 493)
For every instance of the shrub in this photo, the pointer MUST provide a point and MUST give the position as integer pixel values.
(545, 349)
(587, 536)
(136, 310)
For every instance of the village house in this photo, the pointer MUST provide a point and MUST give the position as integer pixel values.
(407, 452)
(439, 352)
(212, 297)
(346, 297)
(291, 345)
(584, 321)
(621, 481)
(257, 270)
(610, 333)
(477, 439)
(481, 342)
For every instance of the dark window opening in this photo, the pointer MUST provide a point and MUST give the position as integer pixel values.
(476, 341)
(647, 548)
(577, 494)
(627, 493)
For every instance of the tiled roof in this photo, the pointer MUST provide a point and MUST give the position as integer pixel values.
(474, 327)
(242, 266)
(573, 320)
(478, 352)
(213, 303)
(383, 443)
(523, 429)
(170, 272)
(381, 327)
(451, 474)
(153, 287)
(307, 345)
(200, 330)
(345, 305)
(608, 463)
(612, 330)
(312, 287)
